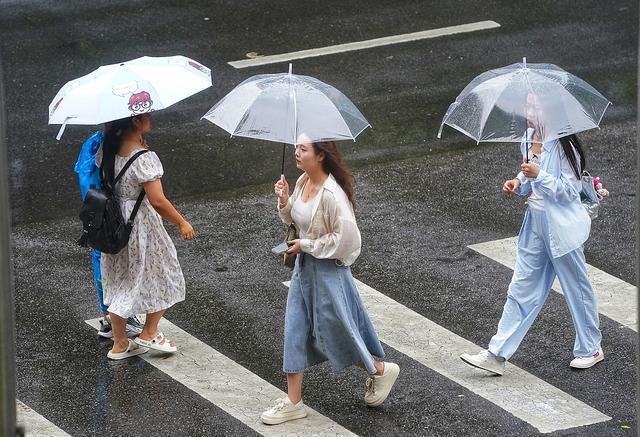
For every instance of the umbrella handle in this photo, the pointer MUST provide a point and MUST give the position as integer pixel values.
(64, 125)
(529, 139)
(280, 192)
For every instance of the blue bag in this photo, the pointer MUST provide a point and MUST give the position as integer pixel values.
(88, 171)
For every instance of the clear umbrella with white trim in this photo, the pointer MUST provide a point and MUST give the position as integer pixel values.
(129, 88)
(285, 108)
(505, 104)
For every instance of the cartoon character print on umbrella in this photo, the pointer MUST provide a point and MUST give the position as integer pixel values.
(139, 102)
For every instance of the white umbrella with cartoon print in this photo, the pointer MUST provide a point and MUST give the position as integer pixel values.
(129, 88)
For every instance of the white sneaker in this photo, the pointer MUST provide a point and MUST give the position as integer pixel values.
(379, 387)
(134, 327)
(105, 328)
(485, 360)
(586, 362)
(283, 411)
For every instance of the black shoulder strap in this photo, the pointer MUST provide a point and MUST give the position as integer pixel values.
(136, 207)
(142, 193)
(127, 165)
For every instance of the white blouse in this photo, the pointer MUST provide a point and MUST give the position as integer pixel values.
(332, 232)
(301, 213)
(535, 200)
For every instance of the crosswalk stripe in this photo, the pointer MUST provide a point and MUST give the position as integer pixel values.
(527, 397)
(34, 424)
(361, 45)
(617, 299)
(229, 386)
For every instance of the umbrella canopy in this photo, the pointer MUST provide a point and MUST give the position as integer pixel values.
(500, 105)
(282, 107)
(129, 88)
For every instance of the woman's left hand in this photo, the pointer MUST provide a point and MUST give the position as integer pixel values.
(530, 170)
(295, 247)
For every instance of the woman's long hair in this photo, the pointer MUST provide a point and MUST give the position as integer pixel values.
(570, 145)
(111, 145)
(335, 165)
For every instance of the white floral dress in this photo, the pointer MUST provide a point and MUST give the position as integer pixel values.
(145, 277)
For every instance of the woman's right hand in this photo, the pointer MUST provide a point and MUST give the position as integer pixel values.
(186, 230)
(510, 186)
(281, 188)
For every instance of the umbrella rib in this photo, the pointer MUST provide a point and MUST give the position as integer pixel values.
(237, 125)
(564, 93)
(292, 97)
(582, 106)
(603, 111)
(295, 116)
(484, 119)
(353, 137)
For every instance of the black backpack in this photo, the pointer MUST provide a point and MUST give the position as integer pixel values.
(103, 226)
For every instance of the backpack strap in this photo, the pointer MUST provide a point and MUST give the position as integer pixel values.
(142, 193)
(136, 207)
(127, 165)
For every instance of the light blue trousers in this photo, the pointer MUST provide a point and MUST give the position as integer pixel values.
(532, 279)
(97, 275)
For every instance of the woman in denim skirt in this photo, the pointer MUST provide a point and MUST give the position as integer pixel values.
(325, 317)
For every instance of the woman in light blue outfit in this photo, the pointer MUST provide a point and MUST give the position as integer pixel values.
(325, 318)
(550, 244)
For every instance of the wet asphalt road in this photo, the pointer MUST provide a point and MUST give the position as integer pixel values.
(421, 201)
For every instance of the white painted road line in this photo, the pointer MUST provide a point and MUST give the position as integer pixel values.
(34, 424)
(360, 45)
(617, 299)
(527, 397)
(229, 386)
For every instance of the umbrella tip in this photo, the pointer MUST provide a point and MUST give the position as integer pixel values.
(290, 67)
(524, 61)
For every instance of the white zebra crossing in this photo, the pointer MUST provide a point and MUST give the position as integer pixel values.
(231, 387)
(34, 424)
(244, 395)
(617, 299)
(360, 45)
(527, 397)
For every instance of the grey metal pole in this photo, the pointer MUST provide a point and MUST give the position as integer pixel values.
(7, 338)
(638, 224)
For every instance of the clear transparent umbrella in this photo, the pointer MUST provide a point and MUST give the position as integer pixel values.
(502, 105)
(129, 88)
(285, 108)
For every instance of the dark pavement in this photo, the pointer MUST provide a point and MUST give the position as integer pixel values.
(420, 202)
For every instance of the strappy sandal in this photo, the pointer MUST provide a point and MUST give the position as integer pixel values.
(159, 343)
(132, 350)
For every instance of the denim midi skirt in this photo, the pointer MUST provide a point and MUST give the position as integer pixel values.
(326, 320)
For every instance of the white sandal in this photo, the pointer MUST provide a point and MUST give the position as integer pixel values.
(159, 343)
(132, 350)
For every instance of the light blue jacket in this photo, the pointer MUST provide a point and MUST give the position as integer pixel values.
(569, 223)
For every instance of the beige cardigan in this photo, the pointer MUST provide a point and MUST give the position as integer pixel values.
(333, 232)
